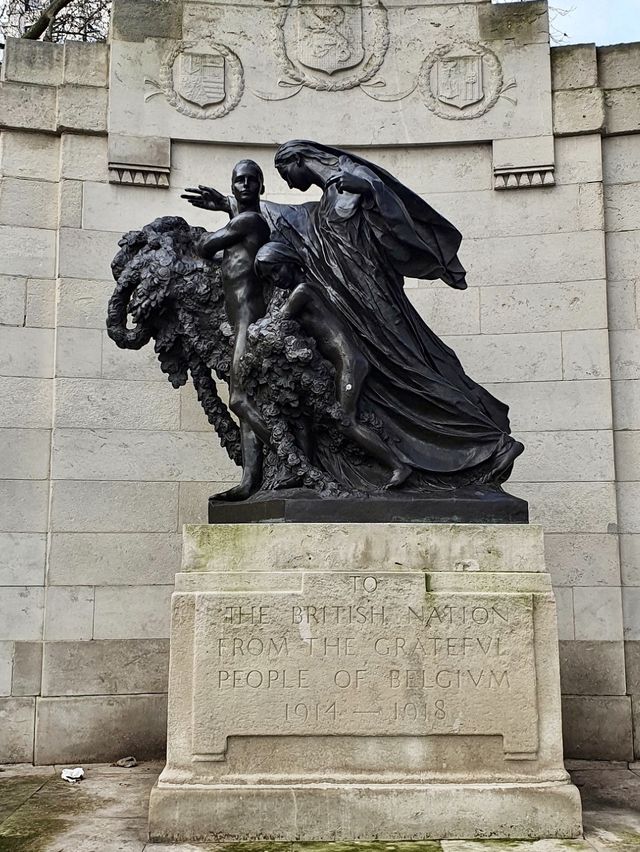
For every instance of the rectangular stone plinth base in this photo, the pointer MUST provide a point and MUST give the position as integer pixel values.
(364, 812)
(363, 681)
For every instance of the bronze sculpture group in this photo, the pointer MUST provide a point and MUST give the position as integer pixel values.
(337, 383)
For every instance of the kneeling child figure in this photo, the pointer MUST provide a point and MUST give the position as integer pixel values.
(280, 266)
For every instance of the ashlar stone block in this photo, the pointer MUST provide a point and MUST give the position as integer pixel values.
(565, 457)
(621, 159)
(26, 352)
(23, 505)
(543, 307)
(40, 303)
(38, 262)
(78, 352)
(140, 455)
(6, 667)
(33, 61)
(25, 454)
(99, 404)
(623, 110)
(597, 613)
(28, 107)
(86, 64)
(535, 259)
(99, 728)
(82, 303)
(625, 354)
(26, 402)
(630, 560)
(510, 357)
(21, 613)
(626, 403)
(529, 24)
(619, 66)
(83, 157)
(585, 354)
(574, 66)
(70, 203)
(579, 159)
(629, 506)
(16, 729)
(28, 203)
(583, 559)
(12, 300)
(628, 456)
(69, 613)
(82, 108)
(564, 606)
(578, 111)
(113, 559)
(29, 155)
(147, 611)
(132, 506)
(632, 661)
(27, 668)
(192, 508)
(328, 664)
(597, 727)
(22, 558)
(135, 20)
(129, 666)
(622, 253)
(631, 608)
(139, 365)
(575, 507)
(447, 311)
(561, 405)
(624, 305)
(622, 204)
(86, 254)
(192, 416)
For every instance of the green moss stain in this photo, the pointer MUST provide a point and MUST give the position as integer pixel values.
(33, 836)
(232, 541)
(370, 846)
(16, 791)
(42, 808)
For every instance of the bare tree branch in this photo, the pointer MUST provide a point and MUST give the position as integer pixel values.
(46, 19)
(55, 20)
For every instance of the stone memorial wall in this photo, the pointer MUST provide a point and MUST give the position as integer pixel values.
(532, 152)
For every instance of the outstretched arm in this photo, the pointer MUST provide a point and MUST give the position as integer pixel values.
(207, 198)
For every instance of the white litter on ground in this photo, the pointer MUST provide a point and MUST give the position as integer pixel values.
(73, 776)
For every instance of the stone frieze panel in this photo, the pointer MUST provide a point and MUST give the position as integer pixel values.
(359, 71)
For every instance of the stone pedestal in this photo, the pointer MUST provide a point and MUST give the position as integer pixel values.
(363, 681)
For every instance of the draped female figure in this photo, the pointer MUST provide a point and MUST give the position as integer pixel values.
(356, 245)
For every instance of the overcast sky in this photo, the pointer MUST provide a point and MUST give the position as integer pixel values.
(600, 21)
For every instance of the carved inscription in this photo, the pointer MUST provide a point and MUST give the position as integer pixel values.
(367, 655)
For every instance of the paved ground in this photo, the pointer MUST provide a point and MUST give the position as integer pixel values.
(107, 813)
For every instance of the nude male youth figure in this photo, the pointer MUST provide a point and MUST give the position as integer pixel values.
(244, 302)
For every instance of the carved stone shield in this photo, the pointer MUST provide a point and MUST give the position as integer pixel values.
(460, 82)
(329, 35)
(200, 77)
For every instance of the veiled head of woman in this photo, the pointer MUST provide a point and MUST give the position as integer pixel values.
(278, 264)
(294, 158)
